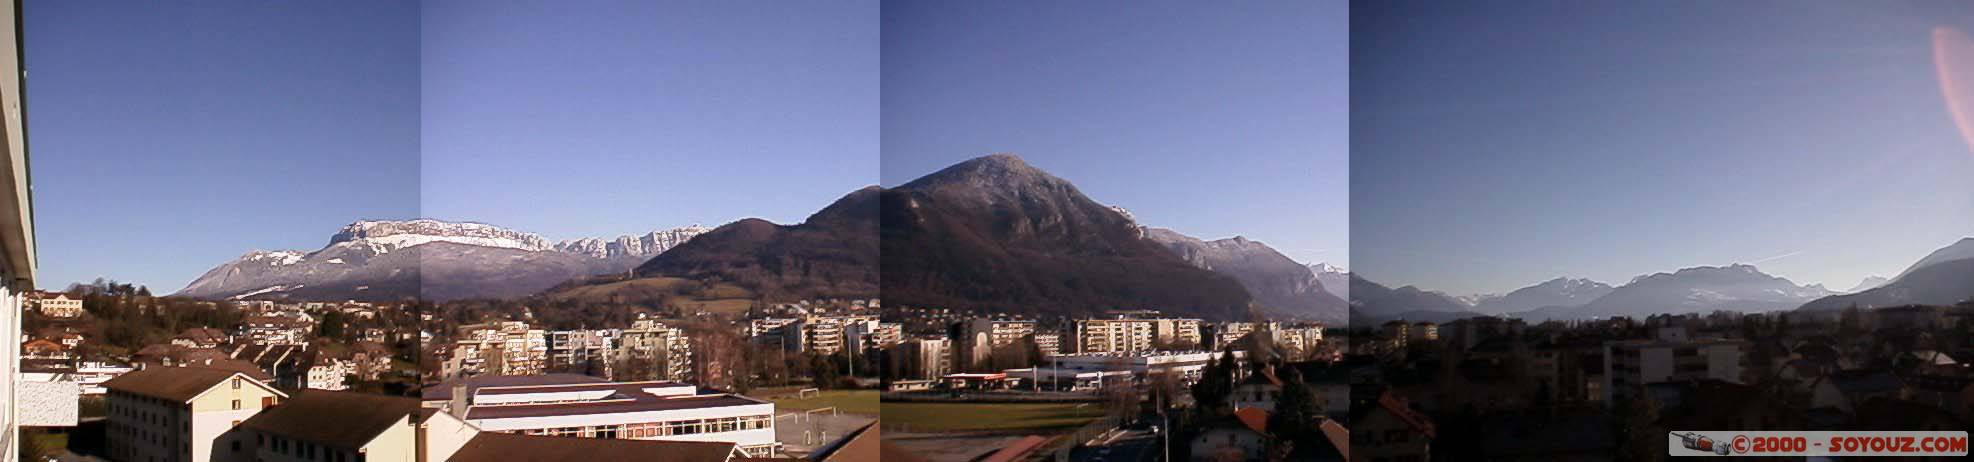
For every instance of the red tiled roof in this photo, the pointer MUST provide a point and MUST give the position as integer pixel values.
(1399, 408)
(1253, 418)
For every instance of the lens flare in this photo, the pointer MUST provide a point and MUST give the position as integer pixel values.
(1953, 57)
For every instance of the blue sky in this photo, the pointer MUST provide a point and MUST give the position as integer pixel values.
(599, 119)
(168, 137)
(1496, 145)
(1211, 120)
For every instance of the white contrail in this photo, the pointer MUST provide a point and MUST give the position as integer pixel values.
(1777, 257)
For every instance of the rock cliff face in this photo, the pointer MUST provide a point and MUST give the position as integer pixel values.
(1282, 288)
(433, 259)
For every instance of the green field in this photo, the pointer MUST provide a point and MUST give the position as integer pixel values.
(936, 417)
(845, 401)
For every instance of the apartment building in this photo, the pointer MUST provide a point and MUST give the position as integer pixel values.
(577, 348)
(1670, 357)
(1227, 333)
(651, 341)
(505, 348)
(1423, 331)
(926, 358)
(979, 337)
(275, 330)
(179, 414)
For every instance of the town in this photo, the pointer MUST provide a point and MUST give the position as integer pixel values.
(1124, 385)
(1502, 389)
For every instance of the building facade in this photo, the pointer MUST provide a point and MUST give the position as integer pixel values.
(179, 414)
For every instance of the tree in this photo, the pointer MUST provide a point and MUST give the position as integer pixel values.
(1640, 438)
(1216, 383)
(1297, 413)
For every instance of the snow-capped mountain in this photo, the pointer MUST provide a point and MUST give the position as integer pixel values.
(432, 259)
(1335, 279)
(1739, 287)
(635, 246)
(1558, 292)
(1283, 288)
(1869, 282)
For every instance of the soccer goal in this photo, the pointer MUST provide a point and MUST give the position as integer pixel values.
(807, 393)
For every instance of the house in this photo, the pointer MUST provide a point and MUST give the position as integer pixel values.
(1844, 390)
(1258, 391)
(178, 414)
(57, 305)
(1953, 393)
(1240, 437)
(201, 337)
(370, 360)
(1708, 403)
(43, 348)
(1542, 437)
(1887, 414)
(317, 425)
(1391, 430)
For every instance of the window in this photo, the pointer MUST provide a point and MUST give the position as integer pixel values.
(236, 383)
(236, 405)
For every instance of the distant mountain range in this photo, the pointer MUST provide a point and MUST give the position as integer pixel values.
(1372, 303)
(1281, 287)
(1692, 290)
(1944, 277)
(1558, 292)
(1741, 288)
(433, 259)
(996, 234)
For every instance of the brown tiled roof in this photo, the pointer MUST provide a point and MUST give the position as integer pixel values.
(503, 447)
(178, 384)
(337, 419)
(861, 445)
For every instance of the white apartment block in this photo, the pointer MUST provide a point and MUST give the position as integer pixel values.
(1672, 357)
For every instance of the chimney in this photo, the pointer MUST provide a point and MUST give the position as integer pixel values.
(457, 405)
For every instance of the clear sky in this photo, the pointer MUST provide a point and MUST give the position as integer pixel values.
(169, 137)
(1496, 145)
(598, 119)
(1209, 119)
